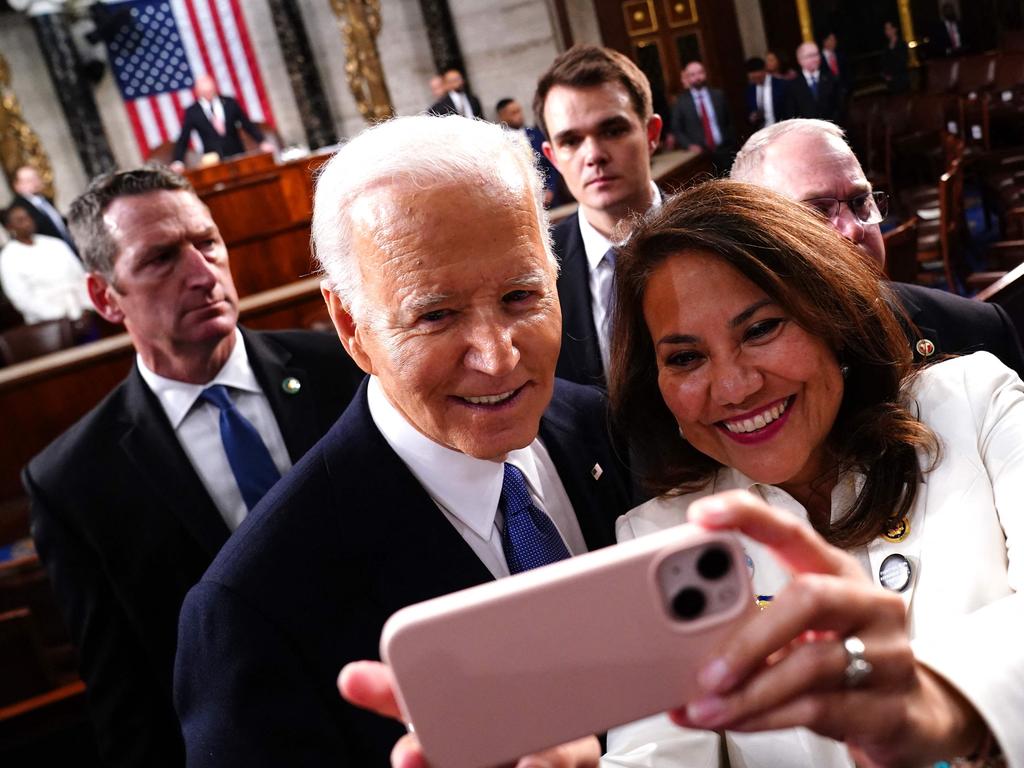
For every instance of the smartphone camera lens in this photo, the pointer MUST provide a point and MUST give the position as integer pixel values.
(714, 563)
(689, 603)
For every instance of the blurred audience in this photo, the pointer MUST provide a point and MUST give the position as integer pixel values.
(701, 118)
(766, 95)
(775, 66)
(815, 92)
(28, 188)
(40, 275)
(947, 37)
(510, 114)
(457, 100)
(895, 65)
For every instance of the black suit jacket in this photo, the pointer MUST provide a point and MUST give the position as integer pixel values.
(959, 326)
(800, 102)
(230, 143)
(445, 106)
(580, 357)
(779, 88)
(306, 584)
(688, 128)
(125, 528)
(44, 224)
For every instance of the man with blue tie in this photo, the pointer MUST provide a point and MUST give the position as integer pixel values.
(462, 459)
(815, 91)
(131, 504)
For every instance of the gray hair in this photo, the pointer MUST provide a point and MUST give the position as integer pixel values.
(421, 152)
(749, 160)
(85, 216)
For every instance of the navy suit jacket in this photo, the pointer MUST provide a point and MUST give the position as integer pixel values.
(778, 102)
(580, 357)
(125, 528)
(800, 102)
(305, 585)
(959, 326)
(230, 143)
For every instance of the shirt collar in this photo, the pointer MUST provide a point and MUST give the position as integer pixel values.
(178, 397)
(844, 494)
(595, 244)
(467, 487)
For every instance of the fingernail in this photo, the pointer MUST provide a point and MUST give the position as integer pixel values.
(716, 676)
(707, 711)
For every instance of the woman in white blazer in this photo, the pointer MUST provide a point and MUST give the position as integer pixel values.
(753, 353)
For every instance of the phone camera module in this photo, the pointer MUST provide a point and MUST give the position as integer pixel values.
(689, 603)
(714, 563)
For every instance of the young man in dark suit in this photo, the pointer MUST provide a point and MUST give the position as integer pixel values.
(765, 95)
(594, 104)
(809, 160)
(458, 100)
(441, 285)
(217, 119)
(132, 503)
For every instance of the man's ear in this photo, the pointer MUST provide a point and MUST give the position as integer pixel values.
(549, 153)
(349, 332)
(654, 123)
(104, 298)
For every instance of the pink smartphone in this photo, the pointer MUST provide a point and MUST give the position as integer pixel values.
(507, 668)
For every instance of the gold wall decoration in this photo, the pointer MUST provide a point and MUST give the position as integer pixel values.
(19, 144)
(680, 13)
(360, 24)
(803, 12)
(640, 17)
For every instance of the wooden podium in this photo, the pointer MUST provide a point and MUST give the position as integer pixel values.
(263, 210)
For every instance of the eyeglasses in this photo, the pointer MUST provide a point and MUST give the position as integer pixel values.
(867, 207)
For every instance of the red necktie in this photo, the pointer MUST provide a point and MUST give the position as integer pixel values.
(709, 135)
(833, 64)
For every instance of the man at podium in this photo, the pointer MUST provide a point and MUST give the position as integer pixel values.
(217, 120)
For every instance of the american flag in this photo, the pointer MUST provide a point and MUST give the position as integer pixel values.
(160, 47)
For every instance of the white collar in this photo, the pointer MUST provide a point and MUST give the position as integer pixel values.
(595, 244)
(467, 487)
(178, 397)
(843, 496)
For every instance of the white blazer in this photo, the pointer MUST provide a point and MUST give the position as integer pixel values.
(966, 549)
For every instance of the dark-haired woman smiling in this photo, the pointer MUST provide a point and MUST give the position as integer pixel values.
(755, 354)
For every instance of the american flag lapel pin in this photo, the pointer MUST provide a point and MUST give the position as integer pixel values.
(596, 472)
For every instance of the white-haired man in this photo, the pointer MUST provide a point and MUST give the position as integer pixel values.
(441, 284)
(810, 161)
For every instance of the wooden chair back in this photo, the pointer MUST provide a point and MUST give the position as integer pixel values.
(901, 252)
(27, 341)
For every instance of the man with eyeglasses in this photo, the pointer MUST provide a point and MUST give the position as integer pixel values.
(809, 160)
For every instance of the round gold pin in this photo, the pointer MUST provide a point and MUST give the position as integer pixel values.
(291, 385)
(925, 347)
(896, 530)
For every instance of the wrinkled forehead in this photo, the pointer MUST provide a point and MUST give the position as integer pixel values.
(159, 217)
(801, 166)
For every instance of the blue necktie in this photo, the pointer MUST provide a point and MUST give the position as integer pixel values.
(814, 86)
(529, 538)
(251, 464)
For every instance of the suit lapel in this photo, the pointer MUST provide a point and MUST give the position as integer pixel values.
(917, 331)
(152, 448)
(295, 410)
(577, 312)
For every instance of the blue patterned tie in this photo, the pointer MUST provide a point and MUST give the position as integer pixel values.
(529, 538)
(251, 464)
(814, 86)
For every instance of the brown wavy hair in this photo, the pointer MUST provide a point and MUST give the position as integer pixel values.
(827, 286)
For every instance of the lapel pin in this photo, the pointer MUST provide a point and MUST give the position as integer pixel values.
(596, 472)
(894, 573)
(896, 529)
(925, 347)
(291, 385)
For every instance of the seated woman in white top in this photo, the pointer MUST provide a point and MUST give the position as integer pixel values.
(766, 384)
(41, 276)
(754, 353)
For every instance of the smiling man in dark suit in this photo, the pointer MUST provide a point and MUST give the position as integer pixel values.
(217, 119)
(594, 104)
(460, 455)
(131, 504)
(810, 161)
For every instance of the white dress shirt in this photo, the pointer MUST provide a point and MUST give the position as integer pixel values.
(467, 490)
(702, 96)
(462, 104)
(44, 281)
(766, 101)
(197, 426)
(602, 274)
